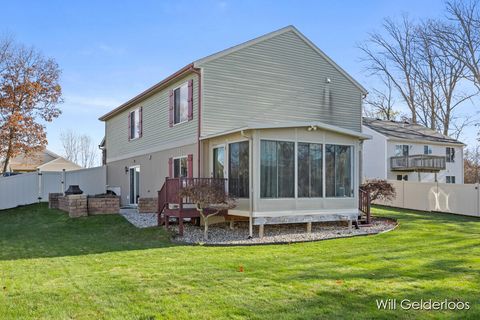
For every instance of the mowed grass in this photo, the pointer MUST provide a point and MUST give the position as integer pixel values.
(101, 267)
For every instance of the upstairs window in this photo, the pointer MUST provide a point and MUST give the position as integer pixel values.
(180, 104)
(450, 154)
(401, 150)
(427, 149)
(135, 129)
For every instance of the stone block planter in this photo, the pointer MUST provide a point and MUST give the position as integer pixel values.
(147, 205)
(82, 205)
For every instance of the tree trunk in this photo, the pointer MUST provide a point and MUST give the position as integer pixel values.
(205, 228)
(8, 154)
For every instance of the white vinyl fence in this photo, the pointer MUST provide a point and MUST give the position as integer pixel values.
(451, 198)
(28, 188)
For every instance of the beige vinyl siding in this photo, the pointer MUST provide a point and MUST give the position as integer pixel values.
(153, 170)
(279, 79)
(157, 134)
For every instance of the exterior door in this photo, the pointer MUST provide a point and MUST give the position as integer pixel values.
(219, 162)
(134, 175)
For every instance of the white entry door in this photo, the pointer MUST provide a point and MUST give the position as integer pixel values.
(134, 176)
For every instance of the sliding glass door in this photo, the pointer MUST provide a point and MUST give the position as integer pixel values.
(134, 177)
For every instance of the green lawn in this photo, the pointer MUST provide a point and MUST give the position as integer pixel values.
(100, 267)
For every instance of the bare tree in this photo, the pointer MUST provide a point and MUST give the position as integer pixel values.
(462, 38)
(210, 199)
(440, 76)
(392, 57)
(381, 103)
(415, 62)
(472, 165)
(79, 148)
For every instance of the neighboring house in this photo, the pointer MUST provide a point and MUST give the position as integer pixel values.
(44, 160)
(275, 116)
(405, 151)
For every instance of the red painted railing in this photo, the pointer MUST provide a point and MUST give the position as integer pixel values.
(161, 203)
(364, 204)
(169, 193)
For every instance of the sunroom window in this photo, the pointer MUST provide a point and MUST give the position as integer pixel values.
(277, 169)
(310, 170)
(238, 169)
(338, 171)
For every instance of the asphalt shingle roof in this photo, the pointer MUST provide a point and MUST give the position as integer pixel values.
(405, 130)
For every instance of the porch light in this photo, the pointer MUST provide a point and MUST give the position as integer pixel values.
(312, 128)
(126, 170)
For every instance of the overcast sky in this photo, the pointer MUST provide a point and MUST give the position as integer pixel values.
(110, 51)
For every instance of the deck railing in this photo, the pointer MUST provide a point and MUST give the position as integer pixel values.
(169, 193)
(421, 162)
(364, 204)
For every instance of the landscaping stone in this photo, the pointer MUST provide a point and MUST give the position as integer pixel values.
(144, 220)
(221, 234)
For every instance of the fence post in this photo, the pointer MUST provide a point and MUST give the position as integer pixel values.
(478, 198)
(63, 181)
(39, 175)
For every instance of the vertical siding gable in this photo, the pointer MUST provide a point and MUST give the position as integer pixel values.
(155, 124)
(281, 78)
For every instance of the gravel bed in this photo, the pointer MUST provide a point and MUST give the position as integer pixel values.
(221, 234)
(140, 220)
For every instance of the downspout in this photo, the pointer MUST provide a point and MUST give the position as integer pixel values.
(199, 74)
(250, 182)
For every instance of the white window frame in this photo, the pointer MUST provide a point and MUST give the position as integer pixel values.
(324, 186)
(401, 150)
(137, 122)
(180, 163)
(352, 165)
(446, 155)
(225, 160)
(134, 184)
(429, 149)
(451, 178)
(295, 165)
(296, 169)
(185, 84)
(227, 163)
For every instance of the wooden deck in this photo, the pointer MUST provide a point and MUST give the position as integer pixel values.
(417, 163)
(171, 205)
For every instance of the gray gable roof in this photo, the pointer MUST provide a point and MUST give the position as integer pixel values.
(407, 131)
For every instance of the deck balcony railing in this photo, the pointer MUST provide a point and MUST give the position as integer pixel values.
(419, 163)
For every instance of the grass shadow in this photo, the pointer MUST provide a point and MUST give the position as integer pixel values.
(35, 231)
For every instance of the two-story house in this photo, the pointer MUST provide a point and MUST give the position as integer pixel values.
(274, 116)
(406, 151)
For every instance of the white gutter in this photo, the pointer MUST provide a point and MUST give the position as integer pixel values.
(250, 181)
